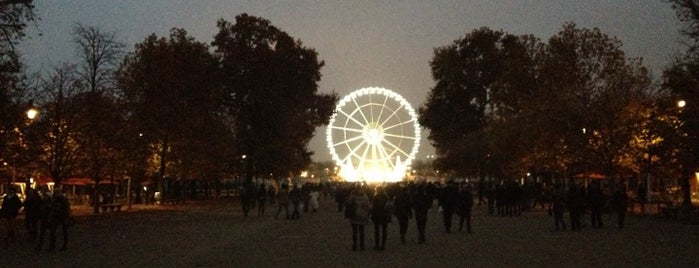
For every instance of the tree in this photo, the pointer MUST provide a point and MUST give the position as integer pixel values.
(471, 88)
(59, 123)
(14, 16)
(172, 92)
(682, 80)
(511, 105)
(597, 84)
(270, 84)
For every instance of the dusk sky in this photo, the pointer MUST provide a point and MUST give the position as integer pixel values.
(363, 43)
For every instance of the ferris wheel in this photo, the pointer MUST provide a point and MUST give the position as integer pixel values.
(373, 135)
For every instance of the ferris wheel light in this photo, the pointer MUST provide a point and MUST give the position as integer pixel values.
(373, 135)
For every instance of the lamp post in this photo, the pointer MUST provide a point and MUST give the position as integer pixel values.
(686, 192)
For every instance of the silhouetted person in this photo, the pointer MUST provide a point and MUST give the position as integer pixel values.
(464, 208)
(620, 203)
(296, 197)
(448, 197)
(32, 212)
(422, 202)
(55, 213)
(596, 201)
(558, 207)
(361, 205)
(379, 216)
(11, 204)
(283, 201)
(403, 211)
(261, 199)
(576, 204)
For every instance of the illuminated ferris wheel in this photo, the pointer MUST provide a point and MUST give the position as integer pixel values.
(373, 135)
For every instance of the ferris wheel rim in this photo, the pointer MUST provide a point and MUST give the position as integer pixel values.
(378, 142)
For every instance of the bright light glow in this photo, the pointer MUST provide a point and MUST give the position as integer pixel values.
(32, 113)
(681, 103)
(373, 135)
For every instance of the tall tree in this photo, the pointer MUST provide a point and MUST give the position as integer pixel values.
(99, 54)
(14, 16)
(59, 123)
(460, 106)
(270, 82)
(596, 83)
(172, 92)
(682, 80)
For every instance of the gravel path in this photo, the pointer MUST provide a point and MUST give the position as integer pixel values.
(215, 234)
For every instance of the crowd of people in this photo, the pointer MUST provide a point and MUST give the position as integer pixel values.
(44, 211)
(363, 205)
(378, 205)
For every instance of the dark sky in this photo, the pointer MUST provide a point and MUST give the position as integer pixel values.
(363, 43)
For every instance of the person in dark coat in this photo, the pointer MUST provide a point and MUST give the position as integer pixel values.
(380, 216)
(448, 196)
(55, 212)
(32, 212)
(422, 202)
(576, 205)
(620, 203)
(11, 204)
(596, 200)
(296, 197)
(464, 208)
(261, 199)
(403, 211)
(558, 203)
(361, 204)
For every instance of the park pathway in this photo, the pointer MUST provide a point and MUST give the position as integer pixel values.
(215, 234)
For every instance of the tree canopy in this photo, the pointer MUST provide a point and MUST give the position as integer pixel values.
(270, 92)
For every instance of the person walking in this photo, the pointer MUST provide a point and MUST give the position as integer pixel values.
(32, 212)
(558, 207)
(283, 201)
(314, 202)
(620, 203)
(11, 204)
(296, 197)
(422, 202)
(359, 201)
(403, 211)
(44, 223)
(576, 205)
(464, 208)
(261, 199)
(596, 201)
(448, 196)
(56, 213)
(380, 217)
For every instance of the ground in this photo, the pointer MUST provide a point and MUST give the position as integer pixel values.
(214, 233)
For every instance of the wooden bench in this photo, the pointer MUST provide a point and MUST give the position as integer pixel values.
(111, 207)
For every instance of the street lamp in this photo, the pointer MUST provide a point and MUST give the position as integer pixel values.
(32, 113)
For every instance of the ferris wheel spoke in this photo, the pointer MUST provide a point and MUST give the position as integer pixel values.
(397, 125)
(353, 152)
(348, 129)
(351, 118)
(361, 112)
(399, 136)
(347, 141)
(393, 114)
(364, 154)
(396, 148)
(386, 156)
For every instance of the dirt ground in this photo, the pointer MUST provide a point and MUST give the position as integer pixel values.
(215, 234)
